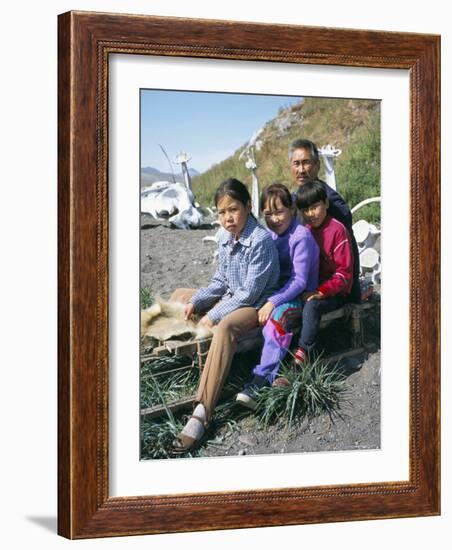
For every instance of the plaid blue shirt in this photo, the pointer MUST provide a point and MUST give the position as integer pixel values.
(247, 273)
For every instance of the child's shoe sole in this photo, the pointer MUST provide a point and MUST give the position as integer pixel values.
(246, 401)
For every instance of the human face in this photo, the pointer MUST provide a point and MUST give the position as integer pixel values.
(303, 167)
(233, 215)
(277, 216)
(315, 214)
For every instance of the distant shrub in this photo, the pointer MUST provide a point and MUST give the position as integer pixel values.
(358, 170)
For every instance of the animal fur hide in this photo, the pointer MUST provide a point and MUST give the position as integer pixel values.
(165, 321)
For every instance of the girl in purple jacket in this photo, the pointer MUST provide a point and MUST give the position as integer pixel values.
(299, 268)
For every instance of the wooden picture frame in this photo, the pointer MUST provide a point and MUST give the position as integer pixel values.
(86, 40)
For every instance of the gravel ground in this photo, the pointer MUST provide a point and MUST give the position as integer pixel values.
(172, 258)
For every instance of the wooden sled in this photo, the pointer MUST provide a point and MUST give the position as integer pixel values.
(352, 313)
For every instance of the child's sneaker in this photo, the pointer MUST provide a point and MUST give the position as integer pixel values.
(247, 397)
(300, 357)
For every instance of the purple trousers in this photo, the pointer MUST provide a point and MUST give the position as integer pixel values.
(277, 334)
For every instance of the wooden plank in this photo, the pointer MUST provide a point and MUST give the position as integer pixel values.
(165, 372)
(173, 406)
(201, 347)
(159, 351)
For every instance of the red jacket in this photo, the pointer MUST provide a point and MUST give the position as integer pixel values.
(336, 257)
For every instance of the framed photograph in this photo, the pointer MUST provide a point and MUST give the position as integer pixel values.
(248, 135)
(113, 67)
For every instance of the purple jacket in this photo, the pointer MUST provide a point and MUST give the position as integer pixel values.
(299, 263)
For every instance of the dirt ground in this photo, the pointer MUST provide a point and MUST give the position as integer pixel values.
(172, 258)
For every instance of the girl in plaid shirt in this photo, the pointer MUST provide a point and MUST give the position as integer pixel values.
(247, 274)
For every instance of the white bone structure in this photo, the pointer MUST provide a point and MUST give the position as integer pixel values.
(329, 153)
(367, 237)
(250, 162)
(251, 165)
(364, 202)
(365, 234)
(213, 239)
(173, 201)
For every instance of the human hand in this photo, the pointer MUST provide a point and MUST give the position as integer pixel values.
(315, 295)
(206, 322)
(265, 312)
(188, 311)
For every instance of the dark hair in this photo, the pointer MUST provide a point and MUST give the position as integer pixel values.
(232, 188)
(309, 193)
(304, 144)
(276, 191)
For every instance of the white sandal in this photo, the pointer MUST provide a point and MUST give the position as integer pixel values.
(184, 442)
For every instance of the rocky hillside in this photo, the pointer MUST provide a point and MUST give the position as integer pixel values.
(349, 124)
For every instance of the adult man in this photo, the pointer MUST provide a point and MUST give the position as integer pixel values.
(305, 165)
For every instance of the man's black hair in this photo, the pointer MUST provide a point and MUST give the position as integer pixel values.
(305, 144)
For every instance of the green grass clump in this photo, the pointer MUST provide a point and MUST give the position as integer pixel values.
(146, 297)
(157, 437)
(315, 389)
(159, 386)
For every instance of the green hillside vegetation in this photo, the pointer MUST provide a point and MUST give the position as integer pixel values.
(349, 124)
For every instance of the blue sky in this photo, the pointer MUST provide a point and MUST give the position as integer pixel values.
(208, 126)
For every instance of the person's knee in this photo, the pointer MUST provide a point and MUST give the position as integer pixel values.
(237, 323)
(226, 325)
(311, 309)
(284, 316)
(279, 313)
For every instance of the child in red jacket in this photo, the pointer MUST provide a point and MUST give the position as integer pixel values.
(335, 264)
